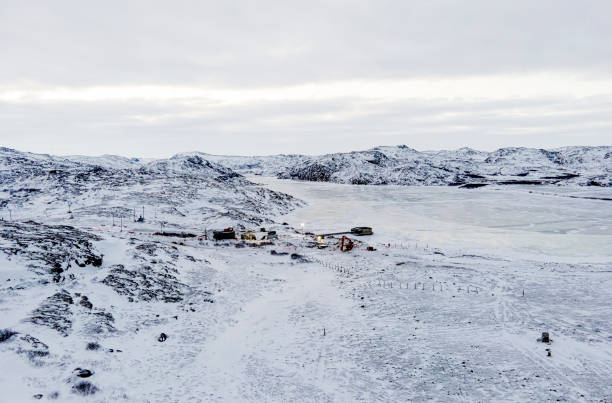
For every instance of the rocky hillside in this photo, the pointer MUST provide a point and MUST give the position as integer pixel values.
(82, 276)
(401, 165)
(183, 191)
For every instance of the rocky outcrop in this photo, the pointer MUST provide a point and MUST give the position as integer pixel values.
(55, 312)
(49, 249)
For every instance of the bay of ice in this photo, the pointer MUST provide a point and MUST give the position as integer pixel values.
(543, 222)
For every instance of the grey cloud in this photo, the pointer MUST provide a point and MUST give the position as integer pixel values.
(302, 127)
(263, 43)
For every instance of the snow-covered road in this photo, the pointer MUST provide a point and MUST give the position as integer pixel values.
(277, 339)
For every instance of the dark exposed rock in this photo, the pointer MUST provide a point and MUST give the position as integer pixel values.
(377, 158)
(93, 346)
(299, 258)
(361, 180)
(49, 248)
(55, 313)
(33, 348)
(314, 172)
(275, 253)
(83, 373)
(520, 182)
(85, 303)
(473, 185)
(147, 283)
(566, 176)
(102, 322)
(84, 388)
(6, 334)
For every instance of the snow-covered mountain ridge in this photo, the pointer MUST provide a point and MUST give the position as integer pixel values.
(183, 189)
(401, 165)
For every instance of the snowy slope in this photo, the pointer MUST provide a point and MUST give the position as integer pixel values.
(402, 165)
(184, 188)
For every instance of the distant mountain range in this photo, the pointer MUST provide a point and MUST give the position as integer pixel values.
(389, 165)
(401, 165)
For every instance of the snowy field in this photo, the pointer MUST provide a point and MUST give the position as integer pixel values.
(448, 308)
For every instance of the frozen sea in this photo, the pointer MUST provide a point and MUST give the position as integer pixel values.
(542, 223)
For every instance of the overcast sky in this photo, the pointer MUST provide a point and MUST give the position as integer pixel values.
(154, 78)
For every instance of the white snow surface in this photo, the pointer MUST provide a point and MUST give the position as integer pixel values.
(447, 308)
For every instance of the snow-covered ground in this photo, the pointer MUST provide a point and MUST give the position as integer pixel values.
(447, 308)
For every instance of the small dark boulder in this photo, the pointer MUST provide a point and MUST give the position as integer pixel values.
(299, 258)
(85, 302)
(6, 334)
(275, 253)
(83, 373)
(92, 346)
(473, 185)
(85, 388)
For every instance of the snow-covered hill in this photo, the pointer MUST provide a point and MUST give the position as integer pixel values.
(183, 190)
(401, 165)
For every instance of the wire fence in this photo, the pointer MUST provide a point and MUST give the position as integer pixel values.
(433, 286)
